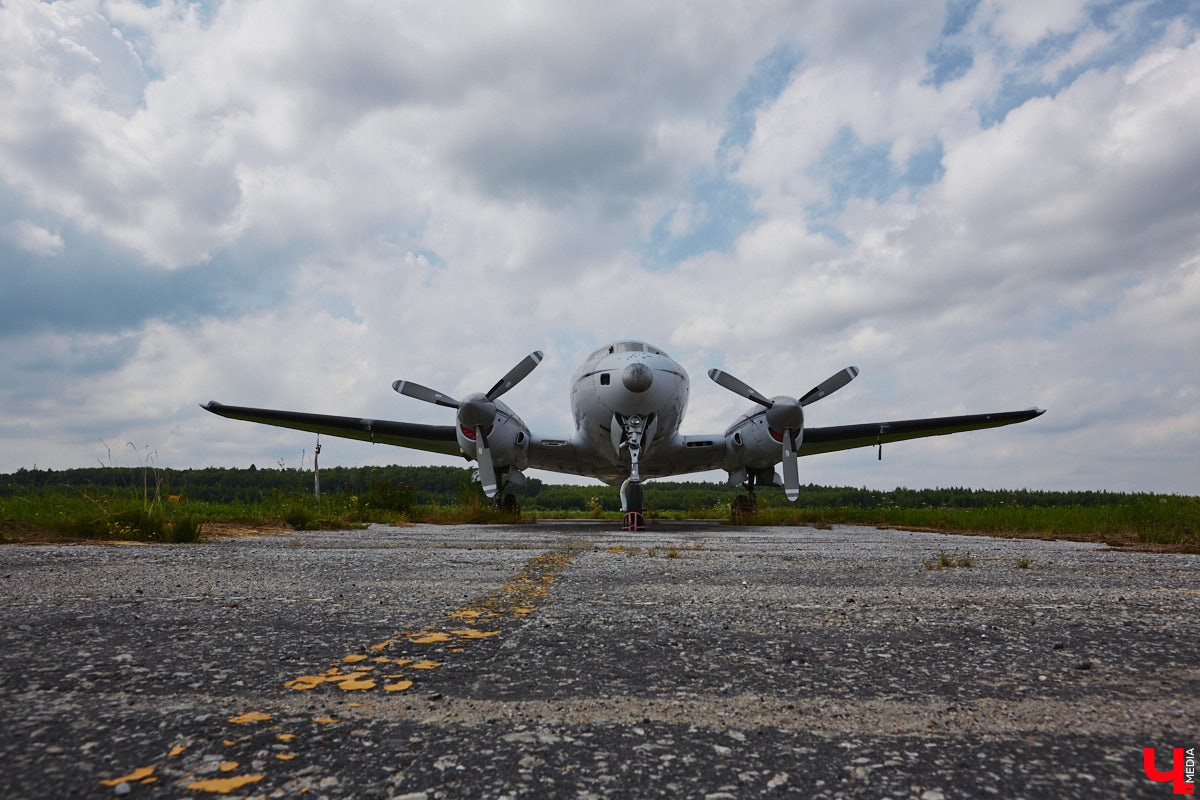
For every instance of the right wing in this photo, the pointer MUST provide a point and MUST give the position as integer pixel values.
(433, 438)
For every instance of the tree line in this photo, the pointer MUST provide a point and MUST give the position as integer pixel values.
(451, 485)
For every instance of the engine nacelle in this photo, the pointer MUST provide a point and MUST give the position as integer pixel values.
(750, 444)
(507, 438)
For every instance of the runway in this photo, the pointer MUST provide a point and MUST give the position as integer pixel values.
(568, 659)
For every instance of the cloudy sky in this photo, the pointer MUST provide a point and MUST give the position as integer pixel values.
(287, 203)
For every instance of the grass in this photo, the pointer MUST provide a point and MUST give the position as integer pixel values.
(946, 560)
(142, 513)
(1169, 521)
(106, 514)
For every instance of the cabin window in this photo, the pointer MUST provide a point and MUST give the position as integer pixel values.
(604, 378)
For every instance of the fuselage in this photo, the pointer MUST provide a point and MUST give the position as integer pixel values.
(620, 382)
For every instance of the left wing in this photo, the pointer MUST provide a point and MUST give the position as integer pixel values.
(433, 438)
(846, 437)
(703, 453)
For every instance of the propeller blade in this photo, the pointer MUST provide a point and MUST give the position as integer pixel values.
(515, 375)
(829, 386)
(424, 393)
(738, 387)
(483, 455)
(791, 470)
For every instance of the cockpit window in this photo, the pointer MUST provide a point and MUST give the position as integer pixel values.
(627, 347)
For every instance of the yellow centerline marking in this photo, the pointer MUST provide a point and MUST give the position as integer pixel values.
(487, 616)
(517, 598)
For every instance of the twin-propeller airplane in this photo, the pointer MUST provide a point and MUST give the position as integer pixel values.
(628, 401)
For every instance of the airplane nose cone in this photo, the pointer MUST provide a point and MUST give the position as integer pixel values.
(637, 377)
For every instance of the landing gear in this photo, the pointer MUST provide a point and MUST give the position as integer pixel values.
(745, 505)
(509, 505)
(633, 434)
(631, 504)
(744, 508)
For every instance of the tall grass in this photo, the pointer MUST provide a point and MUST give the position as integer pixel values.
(1165, 519)
(140, 510)
(97, 515)
(122, 514)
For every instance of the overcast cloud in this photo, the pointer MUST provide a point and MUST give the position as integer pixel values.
(983, 205)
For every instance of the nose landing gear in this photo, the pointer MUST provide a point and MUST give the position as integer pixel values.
(631, 504)
(631, 490)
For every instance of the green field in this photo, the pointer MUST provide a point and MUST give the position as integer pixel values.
(168, 505)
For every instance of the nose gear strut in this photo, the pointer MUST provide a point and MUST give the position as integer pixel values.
(631, 492)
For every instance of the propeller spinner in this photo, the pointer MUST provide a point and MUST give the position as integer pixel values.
(785, 416)
(476, 412)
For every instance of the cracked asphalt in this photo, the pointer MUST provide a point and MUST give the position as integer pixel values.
(568, 659)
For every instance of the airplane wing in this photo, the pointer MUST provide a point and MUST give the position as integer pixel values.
(433, 438)
(846, 437)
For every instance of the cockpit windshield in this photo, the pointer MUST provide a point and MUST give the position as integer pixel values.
(628, 347)
(635, 347)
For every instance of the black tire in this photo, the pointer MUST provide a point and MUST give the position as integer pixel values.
(743, 509)
(509, 504)
(633, 498)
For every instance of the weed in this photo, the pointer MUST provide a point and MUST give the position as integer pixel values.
(946, 560)
(185, 528)
(595, 507)
(1024, 562)
(672, 553)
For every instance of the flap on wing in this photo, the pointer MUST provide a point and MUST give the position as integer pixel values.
(432, 438)
(846, 437)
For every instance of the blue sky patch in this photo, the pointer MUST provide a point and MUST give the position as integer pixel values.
(719, 208)
(854, 169)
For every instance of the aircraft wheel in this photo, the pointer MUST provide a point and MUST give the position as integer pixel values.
(509, 504)
(633, 498)
(743, 509)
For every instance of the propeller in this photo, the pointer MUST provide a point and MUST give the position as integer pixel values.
(476, 412)
(785, 416)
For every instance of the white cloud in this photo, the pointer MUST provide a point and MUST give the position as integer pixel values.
(1023, 23)
(34, 238)
(333, 197)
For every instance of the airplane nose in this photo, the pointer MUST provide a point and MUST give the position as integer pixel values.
(637, 377)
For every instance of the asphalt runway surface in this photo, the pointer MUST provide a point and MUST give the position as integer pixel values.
(572, 660)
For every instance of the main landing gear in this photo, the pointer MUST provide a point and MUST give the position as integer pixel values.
(745, 506)
(509, 505)
(503, 500)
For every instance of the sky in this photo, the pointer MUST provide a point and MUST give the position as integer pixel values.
(984, 206)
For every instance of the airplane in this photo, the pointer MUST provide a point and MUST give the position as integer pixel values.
(628, 400)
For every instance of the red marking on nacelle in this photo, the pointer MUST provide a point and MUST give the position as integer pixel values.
(470, 432)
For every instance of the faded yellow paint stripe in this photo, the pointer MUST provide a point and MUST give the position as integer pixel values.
(518, 597)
